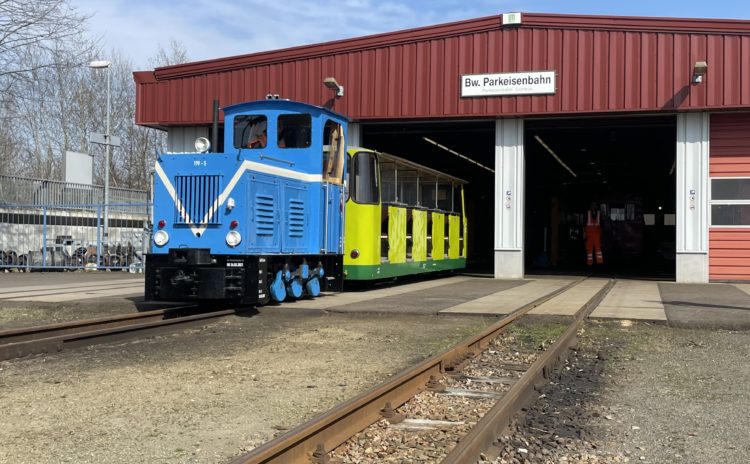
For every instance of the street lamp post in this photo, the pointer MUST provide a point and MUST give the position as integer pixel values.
(105, 65)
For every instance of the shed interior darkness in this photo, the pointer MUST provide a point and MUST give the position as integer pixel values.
(627, 165)
(475, 140)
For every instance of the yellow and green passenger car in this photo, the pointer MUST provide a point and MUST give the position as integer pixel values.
(401, 218)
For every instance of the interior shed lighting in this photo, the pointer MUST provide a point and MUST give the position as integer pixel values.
(554, 155)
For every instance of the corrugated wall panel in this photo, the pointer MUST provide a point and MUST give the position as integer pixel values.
(633, 56)
(508, 64)
(464, 58)
(732, 67)
(569, 74)
(585, 70)
(665, 72)
(649, 70)
(478, 63)
(714, 53)
(354, 71)
(555, 61)
(380, 89)
(437, 65)
(600, 79)
(605, 64)
(729, 248)
(524, 62)
(616, 70)
(729, 254)
(540, 60)
(423, 67)
(680, 61)
(698, 93)
(398, 88)
(409, 77)
(494, 61)
(450, 77)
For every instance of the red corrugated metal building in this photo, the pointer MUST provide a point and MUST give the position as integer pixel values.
(604, 67)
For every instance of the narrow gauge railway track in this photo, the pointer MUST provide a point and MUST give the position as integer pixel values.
(52, 338)
(314, 441)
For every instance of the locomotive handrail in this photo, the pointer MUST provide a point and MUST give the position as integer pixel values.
(290, 163)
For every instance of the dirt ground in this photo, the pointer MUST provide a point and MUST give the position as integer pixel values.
(205, 395)
(634, 392)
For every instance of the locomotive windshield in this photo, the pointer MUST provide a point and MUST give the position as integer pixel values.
(250, 131)
(294, 130)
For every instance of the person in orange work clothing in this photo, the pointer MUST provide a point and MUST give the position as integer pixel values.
(593, 235)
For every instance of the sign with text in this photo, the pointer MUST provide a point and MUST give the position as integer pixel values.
(521, 83)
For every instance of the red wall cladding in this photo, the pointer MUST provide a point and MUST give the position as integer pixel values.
(729, 248)
(603, 64)
(730, 145)
(729, 254)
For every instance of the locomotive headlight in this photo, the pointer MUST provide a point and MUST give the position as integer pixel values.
(233, 238)
(202, 145)
(161, 238)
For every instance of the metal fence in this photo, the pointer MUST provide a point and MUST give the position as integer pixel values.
(74, 237)
(51, 225)
(50, 193)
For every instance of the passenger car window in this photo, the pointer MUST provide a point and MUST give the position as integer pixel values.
(363, 182)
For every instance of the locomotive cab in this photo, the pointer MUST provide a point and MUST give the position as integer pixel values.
(261, 221)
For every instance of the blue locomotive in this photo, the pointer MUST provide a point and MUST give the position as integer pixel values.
(261, 221)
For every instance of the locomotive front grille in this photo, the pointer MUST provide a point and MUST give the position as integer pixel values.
(198, 196)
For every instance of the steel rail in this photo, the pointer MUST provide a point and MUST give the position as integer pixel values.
(310, 442)
(485, 432)
(17, 343)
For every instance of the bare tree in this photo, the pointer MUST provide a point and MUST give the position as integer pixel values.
(51, 101)
(39, 41)
(176, 53)
(40, 24)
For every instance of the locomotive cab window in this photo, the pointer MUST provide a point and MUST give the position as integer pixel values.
(334, 155)
(364, 186)
(250, 131)
(294, 131)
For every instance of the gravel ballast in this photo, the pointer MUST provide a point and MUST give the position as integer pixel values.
(641, 393)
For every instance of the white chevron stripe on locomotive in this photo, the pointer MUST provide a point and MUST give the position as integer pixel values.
(246, 165)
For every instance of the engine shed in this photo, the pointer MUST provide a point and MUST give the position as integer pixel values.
(648, 118)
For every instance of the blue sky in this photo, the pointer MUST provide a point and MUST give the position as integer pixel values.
(219, 28)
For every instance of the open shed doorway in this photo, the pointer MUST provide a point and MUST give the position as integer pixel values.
(627, 166)
(475, 140)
